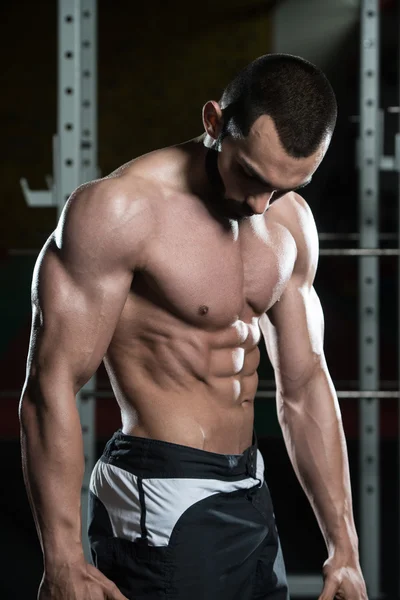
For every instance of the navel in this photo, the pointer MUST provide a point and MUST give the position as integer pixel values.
(203, 310)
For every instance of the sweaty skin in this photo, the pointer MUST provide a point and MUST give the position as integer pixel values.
(140, 272)
(149, 270)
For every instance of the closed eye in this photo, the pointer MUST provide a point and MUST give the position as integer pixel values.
(254, 179)
(246, 174)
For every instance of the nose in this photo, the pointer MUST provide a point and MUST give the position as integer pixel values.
(259, 203)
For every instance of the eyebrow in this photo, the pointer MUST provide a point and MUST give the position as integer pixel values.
(268, 184)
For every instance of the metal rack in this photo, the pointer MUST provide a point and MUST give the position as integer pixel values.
(371, 161)
(369, 165)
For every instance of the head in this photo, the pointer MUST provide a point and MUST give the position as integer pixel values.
(270, 130)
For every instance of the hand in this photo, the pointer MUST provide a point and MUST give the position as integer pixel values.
(79, 581)
(343, 580)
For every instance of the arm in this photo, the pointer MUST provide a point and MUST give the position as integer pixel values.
(308, 410)
(80, 284)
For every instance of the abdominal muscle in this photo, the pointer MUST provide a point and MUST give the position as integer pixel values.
(184, 385)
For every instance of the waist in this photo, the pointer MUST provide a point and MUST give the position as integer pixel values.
(152, 458)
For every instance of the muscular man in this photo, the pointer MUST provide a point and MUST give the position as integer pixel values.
(170, 270)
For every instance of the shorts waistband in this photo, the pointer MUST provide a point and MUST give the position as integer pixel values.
(149, 458)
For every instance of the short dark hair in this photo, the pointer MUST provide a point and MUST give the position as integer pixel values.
(293, 92)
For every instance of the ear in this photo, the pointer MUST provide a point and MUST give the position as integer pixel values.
(212, 119)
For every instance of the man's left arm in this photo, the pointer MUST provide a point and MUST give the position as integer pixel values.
(309, 415)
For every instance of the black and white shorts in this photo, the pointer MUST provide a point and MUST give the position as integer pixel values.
(174, 522)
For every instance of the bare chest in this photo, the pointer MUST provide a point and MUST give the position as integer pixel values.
(211, 276)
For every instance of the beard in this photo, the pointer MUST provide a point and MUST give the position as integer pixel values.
(227, 207)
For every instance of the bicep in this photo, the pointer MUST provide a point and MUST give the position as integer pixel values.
(293, 330)
(75, 312)
(80, 285)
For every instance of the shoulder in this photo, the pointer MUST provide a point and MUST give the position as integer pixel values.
(293, 212)
(113, 216)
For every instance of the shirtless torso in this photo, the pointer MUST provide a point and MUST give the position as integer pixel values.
(170, 270)
(189, 294)
(183, 360)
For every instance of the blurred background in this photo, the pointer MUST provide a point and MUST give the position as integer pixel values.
(158, 63)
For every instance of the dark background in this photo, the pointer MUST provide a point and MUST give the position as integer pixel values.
(158, 63)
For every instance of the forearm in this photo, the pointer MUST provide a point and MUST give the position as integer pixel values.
(313, 432)
(53, 467)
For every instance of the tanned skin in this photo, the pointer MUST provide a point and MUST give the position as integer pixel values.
(173, 283)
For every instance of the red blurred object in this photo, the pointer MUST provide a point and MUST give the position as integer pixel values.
(387, 4)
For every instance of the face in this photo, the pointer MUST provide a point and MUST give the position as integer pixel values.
(256, 170)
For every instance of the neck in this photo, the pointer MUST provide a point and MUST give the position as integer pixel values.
(212, 172)
(204, 180)
(202, 172)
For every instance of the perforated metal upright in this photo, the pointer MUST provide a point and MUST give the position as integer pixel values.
(369, 162)
(89, 89)
(75, 162)
(77, 156)
(86, 403)
(397, 167)
(68, 153)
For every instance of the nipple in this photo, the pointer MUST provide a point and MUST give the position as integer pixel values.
(203, 310)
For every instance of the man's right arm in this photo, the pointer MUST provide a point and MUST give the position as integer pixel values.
(80, 285)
